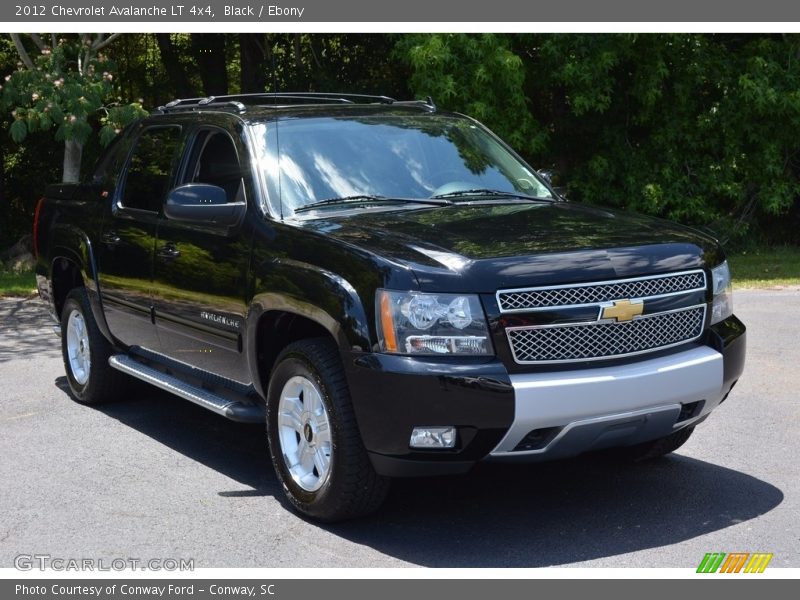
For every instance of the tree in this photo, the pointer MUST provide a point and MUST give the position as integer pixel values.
(65, 84)
(476, 74)
(174, 67)
(698, 128)
(209, 53)
(253, 55)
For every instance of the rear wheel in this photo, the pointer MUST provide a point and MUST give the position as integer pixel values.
(85, 351)
(314, 440)
(655, 448)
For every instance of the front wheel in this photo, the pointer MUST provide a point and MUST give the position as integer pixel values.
(313, 437)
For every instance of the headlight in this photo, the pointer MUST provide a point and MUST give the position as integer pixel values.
(417, 323)
(722, 307)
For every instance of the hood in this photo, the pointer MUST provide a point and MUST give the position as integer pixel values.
(485, 247)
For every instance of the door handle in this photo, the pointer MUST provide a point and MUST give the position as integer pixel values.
(168, 252)
(110, 238)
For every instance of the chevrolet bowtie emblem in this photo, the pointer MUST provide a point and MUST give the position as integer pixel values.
(622, 310)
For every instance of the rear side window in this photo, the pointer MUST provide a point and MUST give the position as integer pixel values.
(109, 167)
(150, 168)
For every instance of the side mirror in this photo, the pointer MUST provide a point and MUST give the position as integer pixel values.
(553, 179)
(203, 203)
(547, 175)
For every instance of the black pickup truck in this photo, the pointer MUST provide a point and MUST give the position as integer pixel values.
(388, 286)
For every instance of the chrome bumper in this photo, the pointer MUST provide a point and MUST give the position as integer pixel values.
(612, 406)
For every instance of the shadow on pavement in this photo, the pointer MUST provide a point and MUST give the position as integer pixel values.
(26, 330)
(559, 513)
(496, 516)
(236, 450)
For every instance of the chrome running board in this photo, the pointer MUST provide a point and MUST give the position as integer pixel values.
(231, 409)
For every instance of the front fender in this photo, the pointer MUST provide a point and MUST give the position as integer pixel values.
(311, 292)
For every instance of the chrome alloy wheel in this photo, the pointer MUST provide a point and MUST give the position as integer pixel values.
(305, 434)
(80, 358)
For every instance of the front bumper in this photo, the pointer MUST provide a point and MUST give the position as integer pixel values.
(577, 411)
(538, 415)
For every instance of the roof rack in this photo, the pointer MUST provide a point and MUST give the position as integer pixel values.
(240, 102)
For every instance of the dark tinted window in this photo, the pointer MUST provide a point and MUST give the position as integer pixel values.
(214, 161)
(150, 168)
(109, 166)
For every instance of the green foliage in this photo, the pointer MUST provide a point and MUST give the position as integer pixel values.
(68, 85)
(478, 75)
(28, 167)
(116, 117)
(18, 130)
(65, 91)
(348, 63)
(55, 93)
(695, 128)
(700, 128)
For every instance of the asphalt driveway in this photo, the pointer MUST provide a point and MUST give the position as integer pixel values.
(157, 477)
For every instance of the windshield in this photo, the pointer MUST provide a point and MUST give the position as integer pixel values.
(392, 156)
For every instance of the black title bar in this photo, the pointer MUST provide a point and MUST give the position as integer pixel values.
(338, 11)
(397, 589)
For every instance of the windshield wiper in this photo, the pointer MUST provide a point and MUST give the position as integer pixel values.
(489, 192)
(369, 198)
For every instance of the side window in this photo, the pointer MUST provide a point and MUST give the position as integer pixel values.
(108, 168)
(150, 168)
(214, 161)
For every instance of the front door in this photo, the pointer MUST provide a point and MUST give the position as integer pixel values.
(200, 282)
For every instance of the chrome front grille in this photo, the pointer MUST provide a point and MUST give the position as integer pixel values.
(543, 298)
(605, 339)
(679, 320)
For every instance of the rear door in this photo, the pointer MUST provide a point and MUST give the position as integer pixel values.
(200, 270)
(127, 242)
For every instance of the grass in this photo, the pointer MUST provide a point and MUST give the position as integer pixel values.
(766, 267)
(17, 284)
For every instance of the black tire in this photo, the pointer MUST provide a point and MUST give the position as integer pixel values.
(98, 383)
(655, 448)
(351, 487)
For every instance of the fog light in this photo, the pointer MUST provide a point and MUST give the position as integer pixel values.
(433, 437)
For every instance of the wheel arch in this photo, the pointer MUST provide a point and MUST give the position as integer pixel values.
(73, 265)
(65, 275)
(326, 305)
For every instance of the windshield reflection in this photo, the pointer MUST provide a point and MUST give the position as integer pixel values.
(396, 156)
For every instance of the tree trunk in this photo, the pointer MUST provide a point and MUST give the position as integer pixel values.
(2, 177)
(73, 152)
(252, 58)
(209, 52)
(5, 208)
(172, 65)
(300, 80)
